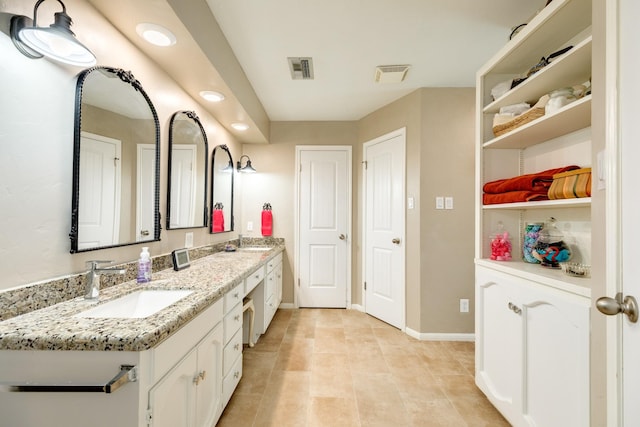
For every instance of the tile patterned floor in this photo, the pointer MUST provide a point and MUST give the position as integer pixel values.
(330, 367)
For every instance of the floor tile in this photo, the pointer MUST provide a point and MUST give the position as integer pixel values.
(329, 367)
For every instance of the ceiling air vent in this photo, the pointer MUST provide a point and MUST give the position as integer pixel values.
(391, 73)
(301, 67)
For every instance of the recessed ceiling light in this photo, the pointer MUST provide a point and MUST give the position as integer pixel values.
(240, 126)
(156, 34)
(212, 96)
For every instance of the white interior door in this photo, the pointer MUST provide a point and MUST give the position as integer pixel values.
(629, 133)
(99, 208)
(146, 189)
(183, 185)
(324, 218)
(384, 234)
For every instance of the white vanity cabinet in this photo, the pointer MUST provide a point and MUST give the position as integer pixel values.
(532, 350)
(190, 394)
(189, 391)
(232, 356)
(264, 287)
(273, 288)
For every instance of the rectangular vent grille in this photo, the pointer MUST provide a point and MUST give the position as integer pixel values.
(391, 73)
(301, 68)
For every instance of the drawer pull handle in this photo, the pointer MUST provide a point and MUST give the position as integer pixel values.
(236, 347)
(514, 308)
(200, 376)
(236, 374)
(257, 276)
(236, 295)
(237, 318)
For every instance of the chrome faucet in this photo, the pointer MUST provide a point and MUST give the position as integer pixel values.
(93, 277)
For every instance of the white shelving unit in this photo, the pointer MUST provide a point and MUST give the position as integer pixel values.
(514, 299)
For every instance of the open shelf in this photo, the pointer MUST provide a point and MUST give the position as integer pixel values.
(570, 118)
(573, 68)
(544, 204)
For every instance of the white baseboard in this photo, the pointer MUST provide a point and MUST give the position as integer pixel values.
(286, 305)
(357, 307)
(439, 336)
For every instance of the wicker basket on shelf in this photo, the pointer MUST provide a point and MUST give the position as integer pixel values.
(524, 118)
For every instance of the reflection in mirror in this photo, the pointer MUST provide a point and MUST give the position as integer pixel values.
(116, 162)
(221, 190)
(187, 188)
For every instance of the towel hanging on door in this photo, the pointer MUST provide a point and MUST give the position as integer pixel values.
(267, 220)
(218, 218)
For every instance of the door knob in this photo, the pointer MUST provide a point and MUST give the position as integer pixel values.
(342, 237)
(144, 232)
(613, 306)
(396, 241)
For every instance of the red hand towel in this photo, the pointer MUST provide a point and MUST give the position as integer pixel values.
(267, 222)
(218, 220)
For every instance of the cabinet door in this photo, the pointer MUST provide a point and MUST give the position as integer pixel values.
(209, 389)
(556, 359)
(172, 400)
(498, 343)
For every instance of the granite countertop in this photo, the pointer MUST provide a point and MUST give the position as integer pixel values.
(55, 328)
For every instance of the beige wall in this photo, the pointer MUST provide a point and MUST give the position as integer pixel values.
(275, 182)
(36, 148)
(440, 161)
(439, 243)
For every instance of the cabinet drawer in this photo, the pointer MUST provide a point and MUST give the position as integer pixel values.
(233, 297)
(232, 322)
(231, 380)
(269, 285)
(273, 262)
(232, 350)
(253, 279)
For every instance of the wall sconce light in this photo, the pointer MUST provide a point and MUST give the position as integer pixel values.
(228, 168)
(56, 41)
(247, 168)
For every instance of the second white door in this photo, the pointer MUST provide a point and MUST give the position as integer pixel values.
(324, 200)
(384, 257)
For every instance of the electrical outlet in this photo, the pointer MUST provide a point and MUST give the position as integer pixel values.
(188, 240)
(410, 203)
(464, 306)
(250, 226)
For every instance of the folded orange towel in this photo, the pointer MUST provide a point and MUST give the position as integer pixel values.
(540, 181)
(514, 196)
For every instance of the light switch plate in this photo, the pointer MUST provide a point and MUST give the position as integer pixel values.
(439, 202)
(188, 240)
(448, 202)
(250, 226)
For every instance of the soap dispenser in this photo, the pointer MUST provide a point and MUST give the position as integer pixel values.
(144, 266)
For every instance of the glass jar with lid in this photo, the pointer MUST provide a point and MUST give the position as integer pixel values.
(550, 248)
(558, 99)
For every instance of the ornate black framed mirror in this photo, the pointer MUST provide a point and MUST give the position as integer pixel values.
(222, 172)
(188, 161)
(116, 162)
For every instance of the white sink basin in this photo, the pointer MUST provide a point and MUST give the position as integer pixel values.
(136, 305)
(256, 249)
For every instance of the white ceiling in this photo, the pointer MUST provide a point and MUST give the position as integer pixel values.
(444, 41)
